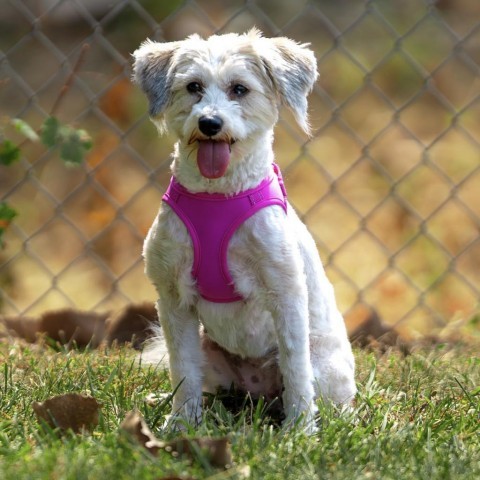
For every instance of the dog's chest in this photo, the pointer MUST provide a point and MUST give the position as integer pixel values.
(243, 327)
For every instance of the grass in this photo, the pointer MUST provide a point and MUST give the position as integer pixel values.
(415, 417)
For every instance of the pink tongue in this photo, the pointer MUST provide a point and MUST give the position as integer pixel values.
(213, 158)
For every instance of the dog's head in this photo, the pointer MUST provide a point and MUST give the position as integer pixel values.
(221, 95)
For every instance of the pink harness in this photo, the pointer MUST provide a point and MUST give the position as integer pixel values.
(211, 219)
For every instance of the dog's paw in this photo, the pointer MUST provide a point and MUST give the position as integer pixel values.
(302, 417)
(175, 423)
(185, 415)
(181, 421)
(306, 422)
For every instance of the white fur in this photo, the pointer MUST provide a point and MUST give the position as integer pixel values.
(288, 303)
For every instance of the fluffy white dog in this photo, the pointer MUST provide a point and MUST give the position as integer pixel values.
(243, 296)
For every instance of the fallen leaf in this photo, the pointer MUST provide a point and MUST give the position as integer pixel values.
(215, 450)
(72, 411)
(368, 330)
(135, 425)
(153, 399)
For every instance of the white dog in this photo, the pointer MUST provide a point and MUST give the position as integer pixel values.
(243, 296)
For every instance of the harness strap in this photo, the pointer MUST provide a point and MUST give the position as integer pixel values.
(211, 220)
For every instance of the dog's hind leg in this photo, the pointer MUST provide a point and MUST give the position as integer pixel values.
(330, 351)
(333, 369)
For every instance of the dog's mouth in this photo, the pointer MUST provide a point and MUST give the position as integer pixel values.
(213, 157)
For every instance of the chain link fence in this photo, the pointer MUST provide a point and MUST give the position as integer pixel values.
(389, 184)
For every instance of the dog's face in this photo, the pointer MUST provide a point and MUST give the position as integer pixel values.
(220, 96)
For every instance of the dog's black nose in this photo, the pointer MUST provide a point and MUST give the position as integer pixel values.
(210, 126)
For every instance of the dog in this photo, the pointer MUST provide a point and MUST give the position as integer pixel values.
(243, 296)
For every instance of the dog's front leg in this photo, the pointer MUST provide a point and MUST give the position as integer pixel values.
(181, 330)
(291, 323)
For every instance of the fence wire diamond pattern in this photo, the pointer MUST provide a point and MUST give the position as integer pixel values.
(388, 184)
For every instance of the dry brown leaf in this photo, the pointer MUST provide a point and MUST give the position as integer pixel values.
(72, 411)
(135, 425)
(215, 450)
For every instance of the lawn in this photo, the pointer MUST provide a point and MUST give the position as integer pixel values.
(416, 417)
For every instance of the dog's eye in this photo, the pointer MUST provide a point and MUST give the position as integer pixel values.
(194, 87)
(239, 90)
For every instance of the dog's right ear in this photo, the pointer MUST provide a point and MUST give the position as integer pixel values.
(152, 71)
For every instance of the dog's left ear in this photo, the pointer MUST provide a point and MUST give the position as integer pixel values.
(292, 69)
(152, 71)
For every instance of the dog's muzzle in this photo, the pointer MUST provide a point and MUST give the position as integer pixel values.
(213, 154)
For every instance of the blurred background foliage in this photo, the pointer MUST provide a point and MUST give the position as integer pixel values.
(389, 184)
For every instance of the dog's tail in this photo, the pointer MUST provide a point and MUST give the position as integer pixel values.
(155, 349)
